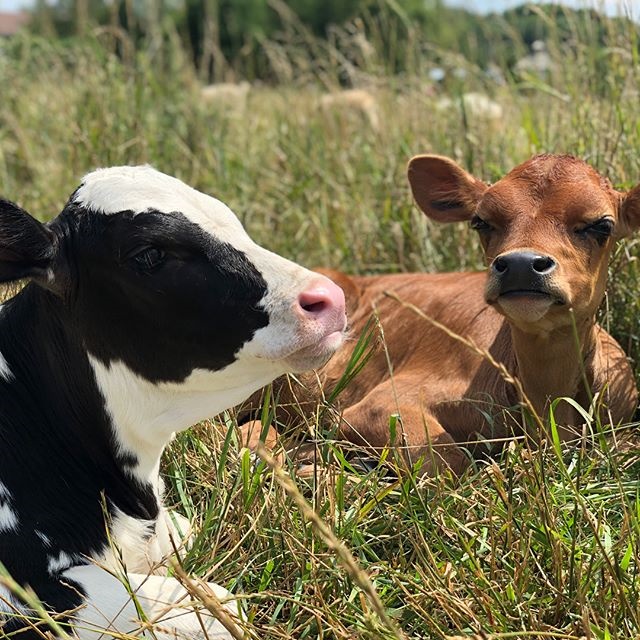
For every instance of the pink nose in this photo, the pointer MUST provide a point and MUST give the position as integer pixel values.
(323, 302)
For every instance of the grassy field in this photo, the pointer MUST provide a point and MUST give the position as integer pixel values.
(541, 543)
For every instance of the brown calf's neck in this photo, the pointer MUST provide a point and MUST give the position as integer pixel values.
(556, 364)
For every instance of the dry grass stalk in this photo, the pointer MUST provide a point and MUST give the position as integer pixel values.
(343, 554)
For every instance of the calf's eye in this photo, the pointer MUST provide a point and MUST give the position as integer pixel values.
(149, 259)
(479, 224)
(600, 230)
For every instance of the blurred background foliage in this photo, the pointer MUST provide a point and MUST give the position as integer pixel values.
(315, 172)
(227, 38)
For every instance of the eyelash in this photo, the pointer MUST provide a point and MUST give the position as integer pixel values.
(479, 224)
(600, 229)
(149, 258)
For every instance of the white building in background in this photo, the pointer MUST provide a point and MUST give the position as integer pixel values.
(538, 62)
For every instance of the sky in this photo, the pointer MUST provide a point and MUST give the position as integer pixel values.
(13, 5)
(612, 7)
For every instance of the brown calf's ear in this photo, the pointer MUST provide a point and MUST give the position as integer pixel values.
(629, 216)
(27, 247)
(442, 189)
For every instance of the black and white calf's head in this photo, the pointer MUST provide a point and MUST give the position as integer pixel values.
(181, 313)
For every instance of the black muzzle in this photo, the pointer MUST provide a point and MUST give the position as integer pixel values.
(522, 272)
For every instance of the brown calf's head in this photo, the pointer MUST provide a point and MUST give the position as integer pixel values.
(547, 228)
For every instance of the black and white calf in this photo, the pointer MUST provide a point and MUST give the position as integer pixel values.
(149, 309)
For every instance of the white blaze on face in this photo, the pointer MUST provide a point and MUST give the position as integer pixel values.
(140, 189)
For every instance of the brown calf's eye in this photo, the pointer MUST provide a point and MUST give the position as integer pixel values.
(479, 224)
(600, 229)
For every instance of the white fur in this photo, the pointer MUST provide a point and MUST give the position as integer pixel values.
(60, 562)
(151, 556)
(8, 517)
(6, 600)
(141, 188)
(9, 603)
(5, 372)
(4, 492)
(145, 415)
(109, 607)
(286, 336)
(45, 539)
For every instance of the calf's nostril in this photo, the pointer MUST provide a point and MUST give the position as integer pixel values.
(543, 264)
(323, 299)
(500, 265)
(313, 306)
(315, 301)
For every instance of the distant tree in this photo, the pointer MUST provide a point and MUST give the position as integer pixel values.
(227, 34)
(68, 17)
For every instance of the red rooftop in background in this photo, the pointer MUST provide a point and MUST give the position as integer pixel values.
(11, 23)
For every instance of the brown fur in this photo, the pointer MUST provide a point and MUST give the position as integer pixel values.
(447, 394)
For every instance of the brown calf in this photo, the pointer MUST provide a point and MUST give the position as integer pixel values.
(548, 229)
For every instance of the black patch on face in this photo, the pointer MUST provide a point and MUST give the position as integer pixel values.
(158, 293)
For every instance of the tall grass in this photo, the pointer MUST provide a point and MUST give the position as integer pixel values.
(541, 544)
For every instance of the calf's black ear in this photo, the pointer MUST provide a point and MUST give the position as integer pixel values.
(27, 247)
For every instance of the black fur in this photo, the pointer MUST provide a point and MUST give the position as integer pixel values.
(26, 246)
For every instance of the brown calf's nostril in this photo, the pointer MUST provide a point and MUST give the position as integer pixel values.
(543, 264)
(500, 265)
